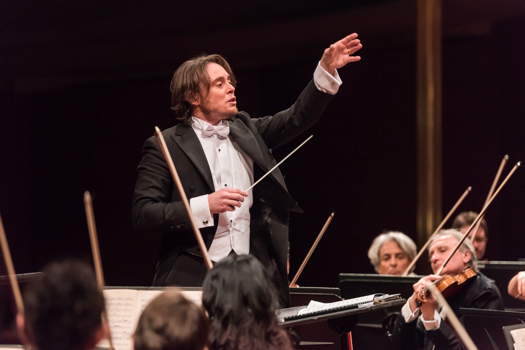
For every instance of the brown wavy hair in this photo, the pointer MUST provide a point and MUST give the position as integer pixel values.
(190, 80)
(171, 321)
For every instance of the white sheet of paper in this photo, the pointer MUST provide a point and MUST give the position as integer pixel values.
(518, 335)
(314, 306)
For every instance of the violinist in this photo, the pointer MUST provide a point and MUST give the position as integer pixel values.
(391, 252)
(422, 325)
(219, 153)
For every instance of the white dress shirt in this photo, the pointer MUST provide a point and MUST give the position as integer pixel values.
(230, 167)
(411, 315)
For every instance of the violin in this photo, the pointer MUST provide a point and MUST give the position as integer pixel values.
(450, 285)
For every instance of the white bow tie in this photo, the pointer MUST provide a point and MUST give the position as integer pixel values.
(221, 130)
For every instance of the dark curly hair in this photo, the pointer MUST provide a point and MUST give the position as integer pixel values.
(241, 303)
(63, 307)
(189, 79)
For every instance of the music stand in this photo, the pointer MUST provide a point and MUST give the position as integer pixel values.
(502, 272)
(317, 336)
(339, 321)
(370, 326)
(336, 315)
(508, 335)
(355, 284)
(485, 326)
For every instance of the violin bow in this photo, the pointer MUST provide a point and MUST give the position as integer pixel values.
(312, 249)
(456, 324)
(480, 215)
(502, 165)
(184, 198)
(491, 190)
(439, 227)
(13, 281)
(97, 261)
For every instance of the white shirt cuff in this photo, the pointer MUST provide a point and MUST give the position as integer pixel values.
(325, 81)
(200, 209)
(408, 314)
(430, 325)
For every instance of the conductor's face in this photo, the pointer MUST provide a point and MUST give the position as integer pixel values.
(219, 101)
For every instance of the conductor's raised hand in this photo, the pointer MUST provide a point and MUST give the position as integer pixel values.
(340, 53)
(225, 199)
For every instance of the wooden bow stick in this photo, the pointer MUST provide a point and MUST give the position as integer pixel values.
(440, 226)
(480, 215)
(312, 249)
(491, 190)
(502, 164)
(276, 165)
(93, 239)
(13, 281)
(184, 198)
(456, 324)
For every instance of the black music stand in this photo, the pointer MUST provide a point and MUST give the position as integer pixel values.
(486, 326)
(502, 272)
(353, 285)
(340, 321)
(317, 336)
(508, 335)
(369, 329)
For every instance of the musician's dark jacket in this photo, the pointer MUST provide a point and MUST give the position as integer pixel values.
(479, 292)
(157, 206)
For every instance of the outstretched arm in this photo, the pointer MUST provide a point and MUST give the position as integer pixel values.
(284, 126)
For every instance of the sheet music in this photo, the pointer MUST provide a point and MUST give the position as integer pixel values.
(144, 298)
(193, 295)
(315, 306)
(518, 335)
(123, 307)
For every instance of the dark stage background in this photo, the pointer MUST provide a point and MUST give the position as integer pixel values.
(83, 83)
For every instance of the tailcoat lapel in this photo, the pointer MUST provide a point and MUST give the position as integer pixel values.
(248, 143)
(188, 142)
(191, 146)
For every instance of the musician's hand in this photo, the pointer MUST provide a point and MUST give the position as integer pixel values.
(339, 54)
(519, 286)
(420, 288)
(225, 199)
(428, 308)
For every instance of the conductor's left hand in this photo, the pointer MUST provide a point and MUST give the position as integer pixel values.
(340, 53)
